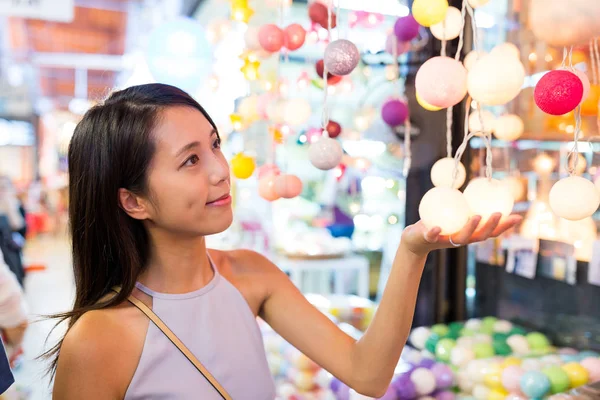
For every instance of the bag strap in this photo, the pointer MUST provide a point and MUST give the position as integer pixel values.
(178, 343)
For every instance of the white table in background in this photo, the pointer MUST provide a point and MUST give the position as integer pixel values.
(337, 266)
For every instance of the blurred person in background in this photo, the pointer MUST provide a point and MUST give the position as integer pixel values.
(13, 312)
(13, 228)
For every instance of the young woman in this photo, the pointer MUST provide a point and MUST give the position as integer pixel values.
(148, 182)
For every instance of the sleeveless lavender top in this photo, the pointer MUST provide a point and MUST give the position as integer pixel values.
(218, 326)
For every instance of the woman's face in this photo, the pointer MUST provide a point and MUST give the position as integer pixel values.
(189, 176)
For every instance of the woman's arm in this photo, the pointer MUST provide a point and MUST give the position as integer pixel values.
(366, 365)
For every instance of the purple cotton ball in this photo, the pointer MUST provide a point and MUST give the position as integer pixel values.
(394, 112)
(445, 395)
(341, 57)
(426, 363)
(405, 388)
(406, 28)
(335, 384)
(390, 394)
(343, 393)
(444, 377)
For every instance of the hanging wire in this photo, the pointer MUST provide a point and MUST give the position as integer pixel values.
(597, 54)
(338, 16)
(325, 114)
(573, 156)
(593, 60)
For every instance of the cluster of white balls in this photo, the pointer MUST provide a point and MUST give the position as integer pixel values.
(450, 209)
(508, 127)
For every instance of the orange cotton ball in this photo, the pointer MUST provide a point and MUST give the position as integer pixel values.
(288, 186)
(589, 106)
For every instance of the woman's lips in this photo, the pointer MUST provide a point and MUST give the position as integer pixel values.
(222, 201)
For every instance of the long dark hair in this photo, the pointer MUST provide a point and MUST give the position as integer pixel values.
(112, 148)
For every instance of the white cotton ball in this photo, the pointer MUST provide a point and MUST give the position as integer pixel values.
(488, 196)
(466, 342)
(419, 336)
(473, 324)
(518, 344)
(481, 392)
(502, 326)
(424, 381)
(509, 127)
(451, 27)
(574, 198)
(483, 338)
(489, 121)
(442, 173)
(495, 80)
(461, 356)
(444, 207)
(506, 50)
(472, 57)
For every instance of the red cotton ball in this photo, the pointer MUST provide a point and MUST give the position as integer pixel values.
(317, 12)
(270, 37)
(334, 129)
(331, 79)
(558, 92)
(294, 36)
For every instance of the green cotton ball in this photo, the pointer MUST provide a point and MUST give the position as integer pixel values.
(517, 330)
(500, 336)
(443, 349)
(456, 326)
(467, 332)
(559, 380)
(489, 321)
(483, 350)
(431, 342)
(452, 335)
(486, 329)
(440, 329)
(502, 348)
(537, 341)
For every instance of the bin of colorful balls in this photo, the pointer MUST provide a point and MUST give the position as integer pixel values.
(350, 309)
(515, 378)
(425, 380)
(458, 343)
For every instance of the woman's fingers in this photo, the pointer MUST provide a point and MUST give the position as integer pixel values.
(463, 236)
(433, 235)
(486, 230)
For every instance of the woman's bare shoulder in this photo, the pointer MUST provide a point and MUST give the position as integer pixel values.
(100, 354)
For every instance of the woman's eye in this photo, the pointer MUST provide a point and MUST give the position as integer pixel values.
(217, 144)
(193, 160)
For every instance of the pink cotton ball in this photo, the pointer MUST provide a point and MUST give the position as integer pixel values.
(270, 37)
(516, 396)
(511, 378)
(394, 112)
(401, 47)
(288, 186)
(341, 57)
(592, 364)
(267, 170)
(441, 82)
(294, 37)
(266, 188)
(558, 92)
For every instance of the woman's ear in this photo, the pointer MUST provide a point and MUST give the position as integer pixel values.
(133, 205)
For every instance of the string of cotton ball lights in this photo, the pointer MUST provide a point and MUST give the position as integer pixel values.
(326, 153)
(574, 197)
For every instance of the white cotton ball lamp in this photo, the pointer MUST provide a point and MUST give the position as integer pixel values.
(444, 207)
(326, 153)
(489, 121)
(574, 198)
(495, 79)
(564, 24)
(424, 381)
(296, 111)
(472, 57)
(515, 186)
(509, 127)
(477, 3)
(488, 196)
(506, 50)
(451, 27)
(442, 173)
(419, 336)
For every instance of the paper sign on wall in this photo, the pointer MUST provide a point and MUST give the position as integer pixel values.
(50, 10)
(522, 256)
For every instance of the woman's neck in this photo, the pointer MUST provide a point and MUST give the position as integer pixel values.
(176, 264)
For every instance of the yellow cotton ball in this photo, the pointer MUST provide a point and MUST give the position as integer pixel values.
(425, 104)
(429, 12)
(242, 166)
